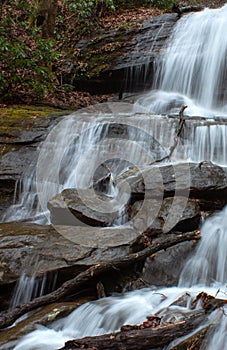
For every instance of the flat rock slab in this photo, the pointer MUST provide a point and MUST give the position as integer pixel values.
(205, 180)
(39, 249)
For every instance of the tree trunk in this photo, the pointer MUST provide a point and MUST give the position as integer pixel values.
(46, 17)
(151, 333)
(143, 339)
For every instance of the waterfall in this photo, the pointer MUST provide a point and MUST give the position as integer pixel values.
(193, 68)
(109, 314)
(208, 142)
(80, 144)
(83, 141)
(191, 71)
(30, 287)
(54, 154)
(209, 262)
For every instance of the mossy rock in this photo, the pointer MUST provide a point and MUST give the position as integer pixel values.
(17, 119)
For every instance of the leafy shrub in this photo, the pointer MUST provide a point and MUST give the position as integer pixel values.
(25, 70)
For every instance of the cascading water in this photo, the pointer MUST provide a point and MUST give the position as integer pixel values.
(209, 264)
(30, 287)
(79, 140)
(109, 314)
(208, 142)
(192, 70)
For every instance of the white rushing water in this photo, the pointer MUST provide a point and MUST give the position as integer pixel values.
(190, 72)
(81, 142)
(209, 264)
(207, 267)
(193, 67)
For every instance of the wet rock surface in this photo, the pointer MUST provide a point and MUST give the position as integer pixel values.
(19, 139)
(62, 251)
(73, 207)
(167, 218)
(157, 271)
(204, 181)
(111, 56)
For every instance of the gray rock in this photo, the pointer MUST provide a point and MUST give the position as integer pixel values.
(156, 217)
(127, 57)
(18, 143)
(165, 268)
(78, 207)
(204, 181)
(39, 250)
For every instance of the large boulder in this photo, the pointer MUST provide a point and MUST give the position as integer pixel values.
(78, 207)
(206, 182)
(167, 218)
(26, 247)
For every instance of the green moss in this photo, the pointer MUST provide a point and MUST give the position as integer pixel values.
(15, 119)
(15, 114)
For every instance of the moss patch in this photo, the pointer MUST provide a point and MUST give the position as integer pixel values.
(16, 119)
(21, 115)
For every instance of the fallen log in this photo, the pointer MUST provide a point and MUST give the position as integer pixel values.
(151, 333)
(70, 286)
(144, 339)
(180, 10)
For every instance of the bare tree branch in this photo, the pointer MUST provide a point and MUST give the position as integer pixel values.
(77, 282)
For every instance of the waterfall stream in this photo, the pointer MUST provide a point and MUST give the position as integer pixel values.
(193, 67)
(126, 139)
(109, 314)
(189, 72)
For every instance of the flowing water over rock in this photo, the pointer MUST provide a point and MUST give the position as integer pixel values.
(109, 314)
(85, 140)
(123, 135)
(29, 288)
(210, 260)
(192, 70)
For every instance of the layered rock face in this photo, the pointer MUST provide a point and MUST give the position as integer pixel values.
(19, 139)
(122, 60)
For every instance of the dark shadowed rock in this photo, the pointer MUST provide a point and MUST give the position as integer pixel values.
(205, 181)
(78, 207)
(110, 56)
(167, 218)
(165, 268)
